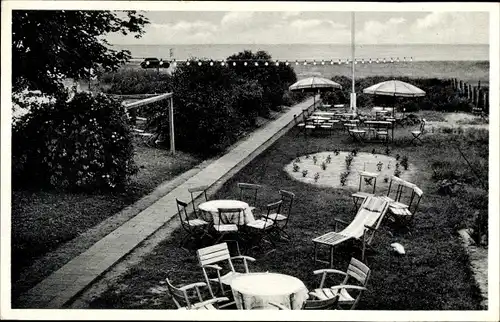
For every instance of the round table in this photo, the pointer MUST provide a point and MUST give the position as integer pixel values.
(211, 212)
(254, 291)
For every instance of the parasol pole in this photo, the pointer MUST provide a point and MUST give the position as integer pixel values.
(353, 92)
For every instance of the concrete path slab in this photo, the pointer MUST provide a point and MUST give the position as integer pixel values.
(63, 285)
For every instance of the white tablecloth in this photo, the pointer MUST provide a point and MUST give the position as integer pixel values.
(211, 213)
(256, 290)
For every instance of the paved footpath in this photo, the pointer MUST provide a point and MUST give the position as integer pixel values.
(70, 280)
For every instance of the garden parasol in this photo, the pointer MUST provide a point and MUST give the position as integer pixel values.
(394, 88)
(314, 84)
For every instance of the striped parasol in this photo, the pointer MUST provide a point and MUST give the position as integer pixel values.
(394, 88)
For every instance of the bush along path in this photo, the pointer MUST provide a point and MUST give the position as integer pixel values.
(57, 290)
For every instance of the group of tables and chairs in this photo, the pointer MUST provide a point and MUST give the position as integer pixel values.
(255, 227)
(377, 127)
(228, 287)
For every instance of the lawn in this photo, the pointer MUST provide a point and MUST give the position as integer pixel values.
(433, 275)
(44, 220)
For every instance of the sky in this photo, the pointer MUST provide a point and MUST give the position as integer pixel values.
(332, 27)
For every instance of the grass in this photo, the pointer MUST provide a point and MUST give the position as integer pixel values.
(433, 275)
(44, 220)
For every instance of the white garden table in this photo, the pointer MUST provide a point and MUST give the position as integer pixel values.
(210, 210)
(254, 291)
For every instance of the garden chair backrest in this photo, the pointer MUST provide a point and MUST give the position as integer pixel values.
(194, 190)
(369, 179)
(287, 197)
(249, 189)
(272, 208)
(183, 214)
(231, 216)
(181, 297)
(399, 187)
(357, 270)
(213, 254)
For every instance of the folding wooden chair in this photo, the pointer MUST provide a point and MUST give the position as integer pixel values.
(417, 134)
(281, 219)
(249, 190)
(406, 215)
(195, 228)
(217, 259)
(356, 271)
(203, 192)
(260, 229)
(228, 222)
(370, 179)
(313, 304)
(185, 301)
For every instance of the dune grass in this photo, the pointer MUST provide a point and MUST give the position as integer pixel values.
(433, 275)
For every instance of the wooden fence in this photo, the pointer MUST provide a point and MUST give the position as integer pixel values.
(477, 96)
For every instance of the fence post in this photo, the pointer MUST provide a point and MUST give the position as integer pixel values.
(470, 93)
(171, 119)
(461, 87)
(466, 90)
(486, 101)
(474, 95)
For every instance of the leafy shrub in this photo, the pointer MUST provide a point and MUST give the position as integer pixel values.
(304, 173)
(348, 160)
(316, 177)
(83, 144)
(343, 177)
(323, 165)
(296, 167)
(404, 162)
(449, 187)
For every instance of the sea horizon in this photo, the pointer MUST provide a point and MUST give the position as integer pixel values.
(417, 52)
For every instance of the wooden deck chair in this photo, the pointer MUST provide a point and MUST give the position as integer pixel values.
(217, 259)
(313, 304)
(400, 193)
(281, 219)
(261, 229)
(195, 228)
(203, 192)
(418, 133)
(248, 192)
(406, 215)
(185, 301)
(366, 180)
(356, 271)
(370, 214)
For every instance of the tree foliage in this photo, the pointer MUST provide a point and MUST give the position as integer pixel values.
(50, 45)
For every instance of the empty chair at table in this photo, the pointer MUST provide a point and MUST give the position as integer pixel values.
(406, 215)
(227, 223)
(282, 218)
(194, 227)
(189, 297)
(313, 304)
(348, 293)
(248, 193)
(218, 261)
(195, 192)
(260, 230)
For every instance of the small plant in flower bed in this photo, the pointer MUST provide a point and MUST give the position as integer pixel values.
(83, 144)
(348, 161)
(316, 177)
(354, 152)
(397, 157)
(304, 173)
(297, 160)
(336, 152)
(386, 179)
(397, 171)
(343, 177)
(387, 150)
(323, 165)
(307, 156)
(379, 166)
(315, 159)
(368, 181)
(296, 167)
(404, 162)
(374, 151)
(328, 159)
